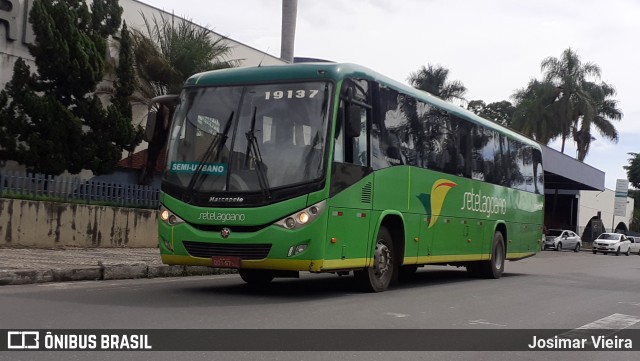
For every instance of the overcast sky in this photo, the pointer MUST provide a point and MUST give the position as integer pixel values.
(493, 46)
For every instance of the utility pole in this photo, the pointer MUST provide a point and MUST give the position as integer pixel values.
(288, 36)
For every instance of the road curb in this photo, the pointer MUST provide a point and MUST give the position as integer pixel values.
(104, 272)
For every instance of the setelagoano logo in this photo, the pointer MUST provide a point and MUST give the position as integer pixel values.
(433, 202)
(221, 217)
(476, 202)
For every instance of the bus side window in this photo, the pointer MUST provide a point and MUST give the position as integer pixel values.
(351, 143)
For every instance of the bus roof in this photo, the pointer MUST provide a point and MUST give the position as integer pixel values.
(338, 72)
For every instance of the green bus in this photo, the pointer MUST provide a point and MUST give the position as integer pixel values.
(326, 167)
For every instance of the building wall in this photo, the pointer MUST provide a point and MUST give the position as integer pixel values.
(592, 202)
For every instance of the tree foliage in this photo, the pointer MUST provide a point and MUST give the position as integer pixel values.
(434, 80)
(605, 110)
(633, 170)
(499, 112)
(567, 103)
(534, 114)
(51, 120)
(170, 49)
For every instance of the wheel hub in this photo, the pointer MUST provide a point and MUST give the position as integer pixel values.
(382, 260)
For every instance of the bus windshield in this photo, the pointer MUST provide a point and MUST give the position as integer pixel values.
(248, 138)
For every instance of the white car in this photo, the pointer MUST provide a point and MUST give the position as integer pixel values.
(559, 239)
(612, 243)
(635, 244)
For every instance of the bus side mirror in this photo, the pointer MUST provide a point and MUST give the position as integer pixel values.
(150, 127)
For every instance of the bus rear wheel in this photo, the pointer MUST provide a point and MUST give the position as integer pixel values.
(379, 277)
(256, 277)
(494, 267)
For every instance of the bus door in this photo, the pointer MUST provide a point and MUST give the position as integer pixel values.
(351, 181)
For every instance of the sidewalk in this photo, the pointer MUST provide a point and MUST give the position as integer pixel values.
(32, 265)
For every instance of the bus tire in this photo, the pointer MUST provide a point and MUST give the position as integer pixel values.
(494, 267)
(407, 272)
(384, 270)
(256, 277)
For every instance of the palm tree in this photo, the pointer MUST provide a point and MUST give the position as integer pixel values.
(167, 52)
(287, 41)
(606, 109)
(535, 115)
(170, 50)
(433, 79)
(569, 74)
(567, 103)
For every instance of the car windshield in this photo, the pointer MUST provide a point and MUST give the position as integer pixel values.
(554, 232)
(609, 236)
(248, 138)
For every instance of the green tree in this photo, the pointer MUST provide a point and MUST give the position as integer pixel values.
(570, 75)
(633, 170)
(499, 112)
(605, 110)
(168, 51)
(433, 79)
(534, 114)
(52, 121)
(568, 102)
(633, 174)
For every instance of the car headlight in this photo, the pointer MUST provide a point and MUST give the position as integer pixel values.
(169, 217)
(302, 217)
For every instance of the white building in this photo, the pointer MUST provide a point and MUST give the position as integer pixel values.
(594, 204)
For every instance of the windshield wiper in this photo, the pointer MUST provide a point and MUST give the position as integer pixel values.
(216, 144)
(254, 149)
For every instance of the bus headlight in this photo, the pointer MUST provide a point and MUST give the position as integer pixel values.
(302, 217)
(168, 217)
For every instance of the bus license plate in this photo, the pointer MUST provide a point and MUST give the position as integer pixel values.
(225, 262)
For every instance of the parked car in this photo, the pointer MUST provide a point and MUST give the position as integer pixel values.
(635, 244)
(612, 243)
(560, 239)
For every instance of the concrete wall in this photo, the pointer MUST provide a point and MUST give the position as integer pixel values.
(592, 202)
(56, 225)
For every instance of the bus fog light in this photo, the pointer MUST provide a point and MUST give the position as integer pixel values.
(167, 245)
(297, 249)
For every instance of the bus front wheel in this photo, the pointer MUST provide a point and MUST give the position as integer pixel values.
(379, 277)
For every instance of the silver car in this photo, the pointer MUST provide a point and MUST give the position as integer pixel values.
(560, 239)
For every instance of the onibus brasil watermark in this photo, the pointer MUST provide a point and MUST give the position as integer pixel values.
(41, 340)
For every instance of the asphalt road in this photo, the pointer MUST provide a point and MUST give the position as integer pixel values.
(554, 290)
